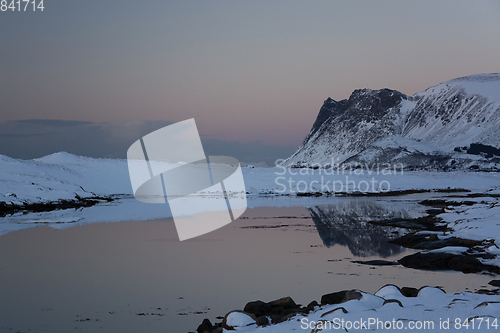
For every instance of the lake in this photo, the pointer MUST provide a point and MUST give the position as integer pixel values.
(137, 276)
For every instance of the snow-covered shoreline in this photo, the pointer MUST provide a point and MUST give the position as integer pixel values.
(64, 176)
(429, 309)
(75, 180)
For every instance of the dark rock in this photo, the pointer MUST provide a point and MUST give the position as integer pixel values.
(288, 316)
(258, 308)
(431, 242)
(352, 294)
(263, 321)
(285, 303)
(481, 149)
(488, 292)
(376, 262)
(275, 319)
(293, 311)
(340, 297)
(445, 203)
(281, 307)
(310, 307)
(494, 283)
(309, 194)
(409, 292)
(446, 261)
(333, 298)
(206, 326)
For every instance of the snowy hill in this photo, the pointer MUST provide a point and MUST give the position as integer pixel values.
(61, 176)
(454, 124)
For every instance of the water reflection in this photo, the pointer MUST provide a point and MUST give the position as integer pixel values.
(348, 223)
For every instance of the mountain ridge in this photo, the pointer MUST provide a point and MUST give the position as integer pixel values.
(434, 128)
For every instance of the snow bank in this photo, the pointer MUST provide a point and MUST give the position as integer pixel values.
(432, 310)
(61, 176)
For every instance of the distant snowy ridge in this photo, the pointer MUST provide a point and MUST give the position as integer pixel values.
(60, 176)
(437, 127)
(63, 176)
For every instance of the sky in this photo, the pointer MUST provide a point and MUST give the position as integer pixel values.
(91, 77)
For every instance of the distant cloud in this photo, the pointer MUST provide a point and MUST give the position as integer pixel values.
(35, 138)
(52, 122)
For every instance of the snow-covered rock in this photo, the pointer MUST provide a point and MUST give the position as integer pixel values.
(236, 320)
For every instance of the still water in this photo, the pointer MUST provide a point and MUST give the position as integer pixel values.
(137, 276)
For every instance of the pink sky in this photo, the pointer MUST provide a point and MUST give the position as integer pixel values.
(246, 71)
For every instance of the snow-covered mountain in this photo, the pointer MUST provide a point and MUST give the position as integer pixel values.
(455, 124)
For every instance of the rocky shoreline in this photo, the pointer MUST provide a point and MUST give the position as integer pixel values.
(262, 314)
(428, 240)
(277, 311)
(76, 203)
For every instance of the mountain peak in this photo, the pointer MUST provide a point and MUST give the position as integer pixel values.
(329, 100)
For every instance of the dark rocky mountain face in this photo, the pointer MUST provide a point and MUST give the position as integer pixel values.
(363, 104)
(438, 128)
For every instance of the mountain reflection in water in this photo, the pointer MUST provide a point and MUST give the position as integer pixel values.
(348, 223)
